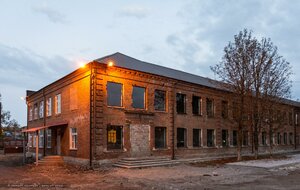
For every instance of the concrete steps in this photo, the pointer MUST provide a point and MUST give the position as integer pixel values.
(51, 161)
(131, 163)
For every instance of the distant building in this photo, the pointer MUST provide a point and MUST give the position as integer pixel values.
(118, 106)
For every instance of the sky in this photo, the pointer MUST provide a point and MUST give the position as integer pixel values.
(41, 41)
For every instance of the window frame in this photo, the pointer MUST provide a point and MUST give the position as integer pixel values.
(198, 100)
(177, 103)
(109, 145)
(225, 109)
(75, 140)
(49, 140)
(49, 107)
(226, 144)
(179, 144)
(213, 144)
(41, 109)
(199, 132)
(164, 138)
(58, 104)
(145, 98)
(41, 138)
(165, 100)
(212, 115)
(35, 111)
(121, 94)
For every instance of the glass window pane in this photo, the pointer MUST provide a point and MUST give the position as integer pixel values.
(114, 94)
(138, 97)
(160, 100)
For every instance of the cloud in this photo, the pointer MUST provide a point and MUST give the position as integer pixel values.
(24, 68)
(210, 25)
(134, 11)
(53, 15)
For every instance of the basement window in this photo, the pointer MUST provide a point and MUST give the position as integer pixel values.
(138, 97)
(160, 137)
(114, 94)
(196, 104)
(159, 100)
(210, 107)
(73, 138)
(234, 138)
(180, 103)
(284, 138)
(210, 138)
(224, 138)
(196, 137)
(181, 137)
(114, 137)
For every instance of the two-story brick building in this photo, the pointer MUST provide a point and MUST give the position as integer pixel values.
(118, 106)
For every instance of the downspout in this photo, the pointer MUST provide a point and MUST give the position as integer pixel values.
(91, 111)
(173, 122)
(44, 116)
(295, 129)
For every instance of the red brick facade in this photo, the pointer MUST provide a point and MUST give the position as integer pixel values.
(84, 99)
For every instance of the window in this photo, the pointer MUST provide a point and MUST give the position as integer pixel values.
(291, 139)
(263, 138)
(180, 103)
(210, 138)
(290, 118)
(181, 137)
(224, 109)
(58, 104)
(49, 107)
(41, 139)
(73, 138)
(138, 97)
(278, 138)
(245, 138)
(284, 138)
(34, 140)
(160, 137)
(30, 113)
(224, 138)
(235, 110)
(196, 104)
(29, 144)
(49, 138)
(234, 138)
(35, 115)
(41, 110)
(159, 100)
(210, 107)
(114, 137)
(296, 119)
(114, 94)
(196, 137)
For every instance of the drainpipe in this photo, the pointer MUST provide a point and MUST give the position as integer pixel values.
(91, 111)
(173, 122)
(44, 116)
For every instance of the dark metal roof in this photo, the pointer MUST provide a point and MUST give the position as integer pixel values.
(124, 61)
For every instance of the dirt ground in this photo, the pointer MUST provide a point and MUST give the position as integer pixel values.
(209, 175)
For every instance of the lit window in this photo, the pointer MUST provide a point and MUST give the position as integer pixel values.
(180, 103)
(41, 110)
(138, 97)
(58, 104)
(49, 107)
(160, 100)
(210, 138)
(114, 94)
(196, 104)
(114, 137)
(73, 138)
(49, 138)
(160, 137)
(196, 137)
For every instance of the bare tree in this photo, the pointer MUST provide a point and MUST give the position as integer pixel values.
(234, 71)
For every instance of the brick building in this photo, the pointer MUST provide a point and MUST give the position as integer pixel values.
(118, 106)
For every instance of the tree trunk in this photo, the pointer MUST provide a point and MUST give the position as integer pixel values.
(255, 142)
(239, 148)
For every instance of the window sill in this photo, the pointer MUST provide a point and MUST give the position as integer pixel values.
(73, 149)
(158, 111)
(138, 111)
(160, 149)
(115, 150)
(116, 107)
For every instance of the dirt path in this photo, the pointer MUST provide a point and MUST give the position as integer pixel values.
(184, 176)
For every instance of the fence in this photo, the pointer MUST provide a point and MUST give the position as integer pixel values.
(11, 146)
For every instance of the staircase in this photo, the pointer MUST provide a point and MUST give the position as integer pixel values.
(51, 161)
(131, 163)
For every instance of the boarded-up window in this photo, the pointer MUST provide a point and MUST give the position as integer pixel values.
(138, 97)
(160, 100)
(73, 98)
(114, 94)
(114, 137)
(160, 137)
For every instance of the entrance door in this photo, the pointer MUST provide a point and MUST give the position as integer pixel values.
(58, 146)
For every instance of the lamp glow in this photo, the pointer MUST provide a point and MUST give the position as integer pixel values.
(110, 64)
